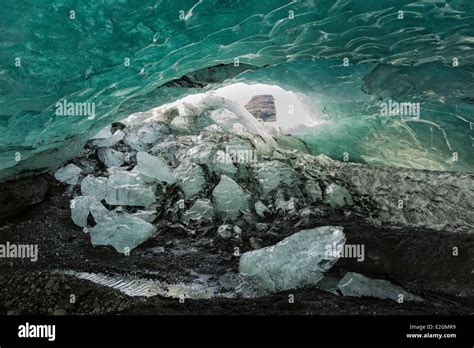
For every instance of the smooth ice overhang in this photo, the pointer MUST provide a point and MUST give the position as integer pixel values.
(48, 55)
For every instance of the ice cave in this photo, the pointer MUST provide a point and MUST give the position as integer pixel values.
(224, 150)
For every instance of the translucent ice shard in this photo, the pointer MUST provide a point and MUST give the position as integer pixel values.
(222, 164)
(337, 196)
(191, 178)
(261, 209)
(81, 206)
(125, 188)
(154, 167)
(68, 174)
(92, 186)
(271, 174)
(297, 261)
(202, 210)
(111, 157)
(313, 191)
(80, 210)
(230, 200)
(124, 232)
(110, 140)
(357, 285)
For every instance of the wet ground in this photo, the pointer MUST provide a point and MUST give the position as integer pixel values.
(420, 261)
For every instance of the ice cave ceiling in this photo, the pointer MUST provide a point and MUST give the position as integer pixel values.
(130, 55)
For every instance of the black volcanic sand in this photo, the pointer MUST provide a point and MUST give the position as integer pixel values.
(420, 261)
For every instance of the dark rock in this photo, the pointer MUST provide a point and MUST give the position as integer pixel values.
(18, 194)
(262, 107)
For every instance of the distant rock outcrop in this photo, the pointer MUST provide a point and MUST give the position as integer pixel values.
(262, 107)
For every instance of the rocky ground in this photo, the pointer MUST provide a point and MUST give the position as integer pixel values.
(193, 190)
(34, 288)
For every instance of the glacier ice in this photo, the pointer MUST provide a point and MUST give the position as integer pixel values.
(80, 210)
(261, 209)
(154, 167)
(297, 261)
(201, 211)
(92, 186)
(358, 285)
(125, 188)
(124, 232)
(82, 206)
(287, 53)
(337, 196)
(68, 174)
(191, 178)
(111, 157)
(314, 191)
(230, 200)
(271, 174)
(110, 140)
(225, 231)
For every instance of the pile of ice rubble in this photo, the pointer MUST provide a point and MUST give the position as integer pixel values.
(210, 163)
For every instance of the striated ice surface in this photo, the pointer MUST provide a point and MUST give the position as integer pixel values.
(297, 261)
(124, 232)
(357, 285)
(230, 200)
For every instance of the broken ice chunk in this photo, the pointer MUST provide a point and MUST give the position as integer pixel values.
(314, 191)
(225, 231)
(358, 285)
(230, 199)
(295, 262)
(271, 174)
(147, 215)
(147, 134)
(154, 167)
(133, 140)
(191, 178)
(127, 189)
(81, 206)
(111, 140)
(201, 153)
(96, 187)
(222, 164)
(124, 232)
(261, 209)
(282, 205)
(104, 133)
(80, 210)
(68, 174)
(337, 196)
(202, 210)
(111, 157)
